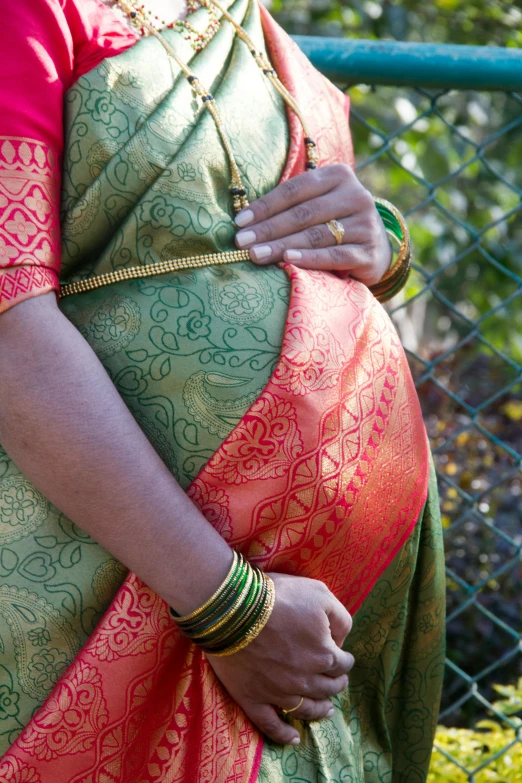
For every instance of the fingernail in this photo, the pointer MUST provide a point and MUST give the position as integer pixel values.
(261, 251)
(330, 713)
(293, 255)
(245, 238)
(244, 218)
(295, 741)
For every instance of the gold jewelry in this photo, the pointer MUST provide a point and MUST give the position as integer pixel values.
(244, 619)
(337, 230)
(395, 278)
(150, 270)
(287, 712)
(271, 74)
(138, 17)
(223, 620)
(214, 597)
(258, 625)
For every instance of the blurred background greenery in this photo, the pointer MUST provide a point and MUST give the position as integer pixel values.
(481, 22)
(452, 161)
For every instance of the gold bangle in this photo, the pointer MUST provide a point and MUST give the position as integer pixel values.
(396, 276)
(229, 613)
(257, 627)
(240, 620)
(214, 597)
(229, 594)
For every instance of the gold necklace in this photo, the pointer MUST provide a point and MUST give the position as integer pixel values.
(138, 17)
(197, 39)
(239, 197)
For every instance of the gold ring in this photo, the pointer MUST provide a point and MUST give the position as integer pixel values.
(287, 712)
(336, 229)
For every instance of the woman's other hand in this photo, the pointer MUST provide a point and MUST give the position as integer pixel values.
(289, 224)
(298, 653)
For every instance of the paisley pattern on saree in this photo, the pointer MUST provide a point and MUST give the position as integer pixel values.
(29, 227)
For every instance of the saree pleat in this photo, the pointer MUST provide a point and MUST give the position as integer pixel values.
(237, 375)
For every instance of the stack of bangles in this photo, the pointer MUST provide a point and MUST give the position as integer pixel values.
(235, 615)
(395, 278)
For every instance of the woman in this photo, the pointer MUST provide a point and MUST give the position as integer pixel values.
(275, 395)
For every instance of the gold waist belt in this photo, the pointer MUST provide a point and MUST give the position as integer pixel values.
(162, 268)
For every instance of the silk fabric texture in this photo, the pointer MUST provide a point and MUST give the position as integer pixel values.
(329, 424)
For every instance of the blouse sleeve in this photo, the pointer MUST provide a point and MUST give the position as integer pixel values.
(45, 45)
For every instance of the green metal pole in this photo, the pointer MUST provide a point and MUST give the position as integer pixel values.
(414, 65)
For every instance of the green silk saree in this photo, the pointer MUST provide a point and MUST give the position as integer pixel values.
(146, 179)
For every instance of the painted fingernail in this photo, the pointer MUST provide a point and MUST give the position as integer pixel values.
(244, 218)
(295, 741)
(261, 251)
(245, 238)
(293, 255)
(330, 713)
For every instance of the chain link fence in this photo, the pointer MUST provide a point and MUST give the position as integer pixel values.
(451, 160)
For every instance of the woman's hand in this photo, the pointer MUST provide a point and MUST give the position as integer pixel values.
(298, 653)
(289, 224)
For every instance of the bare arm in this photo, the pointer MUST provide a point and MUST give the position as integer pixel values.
(66, 427)
(64, 424)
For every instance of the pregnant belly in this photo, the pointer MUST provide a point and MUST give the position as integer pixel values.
(188, 352)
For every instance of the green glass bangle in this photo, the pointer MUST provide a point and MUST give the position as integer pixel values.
(225, 602)
(237, 624)
(252, 620)
(233, 606)
(242, 606)
(193, 616)
(390, 221)
(395, 278)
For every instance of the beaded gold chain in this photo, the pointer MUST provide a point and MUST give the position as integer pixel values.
(197, 39)
(139, 18)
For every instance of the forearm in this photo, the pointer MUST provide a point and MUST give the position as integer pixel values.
(67, 429)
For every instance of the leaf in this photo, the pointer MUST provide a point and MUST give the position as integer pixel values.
(138, 356)
(121, 172)
(191, 434)
(47, 542)
(70, 555)
(160, 369)
(259, 335)
(8, 559)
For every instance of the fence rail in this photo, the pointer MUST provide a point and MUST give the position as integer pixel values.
(438, 130)
(398, 63)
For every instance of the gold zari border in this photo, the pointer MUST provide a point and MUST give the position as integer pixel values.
(161, 268)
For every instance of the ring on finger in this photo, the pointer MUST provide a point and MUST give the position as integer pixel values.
(292, 709)
(336, 229)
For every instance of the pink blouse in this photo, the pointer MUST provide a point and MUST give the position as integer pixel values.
(45, 46)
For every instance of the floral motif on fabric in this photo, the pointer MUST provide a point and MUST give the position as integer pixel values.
(264, 447)
(71, 718)
(129, 632)
(16, 771)
(111, 326)
(312, 357)
(22, 509)
(239, 302)
(213, 503)
(29, 225)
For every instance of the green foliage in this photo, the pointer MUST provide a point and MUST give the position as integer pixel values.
(481, 22)
(472, 748)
